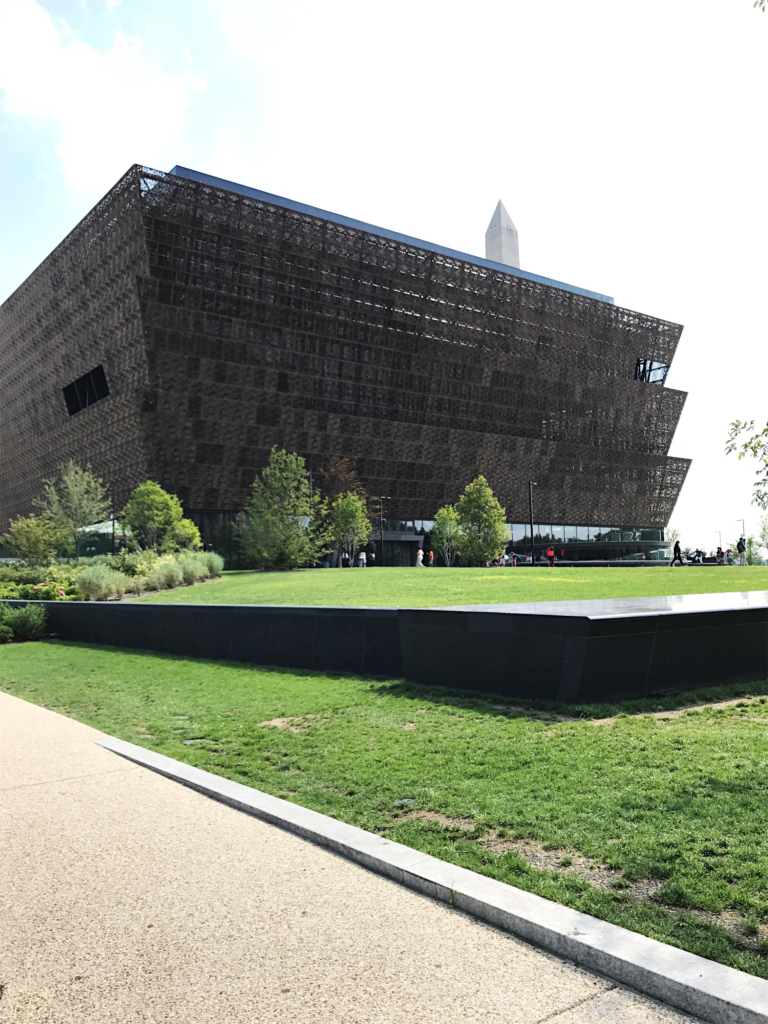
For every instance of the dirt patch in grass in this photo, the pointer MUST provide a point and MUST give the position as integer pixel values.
(571, 862)
(443, 820)
(291, 724)
(748, 702)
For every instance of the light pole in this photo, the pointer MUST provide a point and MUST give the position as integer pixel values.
(720, 538)
(382, 499)
(531, 485)
(743, 531)
(113, 518)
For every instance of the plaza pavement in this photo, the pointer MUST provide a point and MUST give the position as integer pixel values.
(128, 898)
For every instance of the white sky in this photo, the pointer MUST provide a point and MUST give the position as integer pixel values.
(627, 141)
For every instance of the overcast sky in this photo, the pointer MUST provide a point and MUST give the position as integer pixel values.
(627, 141)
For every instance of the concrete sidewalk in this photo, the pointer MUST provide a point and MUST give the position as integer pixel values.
(128, 898)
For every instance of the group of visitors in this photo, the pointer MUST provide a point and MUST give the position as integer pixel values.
(721, 557)
(420, 559)
(363, 560)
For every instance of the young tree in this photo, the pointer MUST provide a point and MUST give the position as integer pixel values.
(756, 446)
(753, 552)
(186, 536)
(36, 539)
(482, 532)
(444, 532)
(75, 501)
(350, 526)
(152, 515)
(671, 535)
(282, 530)
(764, 533)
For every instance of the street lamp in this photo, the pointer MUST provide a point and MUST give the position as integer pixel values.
(382, 499)
(720, 538)
(743, 531)
(531, 485)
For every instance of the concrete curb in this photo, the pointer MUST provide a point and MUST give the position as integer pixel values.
(688, 982)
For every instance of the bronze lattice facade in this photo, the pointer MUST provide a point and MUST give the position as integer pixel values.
(196, 326)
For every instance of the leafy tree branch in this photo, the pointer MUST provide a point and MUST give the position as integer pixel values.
(755, 445)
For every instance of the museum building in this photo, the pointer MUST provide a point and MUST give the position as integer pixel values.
(188, 324)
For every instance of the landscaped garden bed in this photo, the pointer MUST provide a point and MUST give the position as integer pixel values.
(652, 815)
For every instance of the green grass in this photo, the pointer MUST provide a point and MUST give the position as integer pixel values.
(682, 800)
(418, 588)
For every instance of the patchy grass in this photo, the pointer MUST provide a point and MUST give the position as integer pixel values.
(419, 588)
(657, 823)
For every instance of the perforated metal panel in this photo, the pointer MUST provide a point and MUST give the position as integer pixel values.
(227, 324)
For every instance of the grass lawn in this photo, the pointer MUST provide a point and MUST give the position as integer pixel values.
(418, 588)
(659, 824)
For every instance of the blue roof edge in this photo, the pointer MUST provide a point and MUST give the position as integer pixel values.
(395, 236)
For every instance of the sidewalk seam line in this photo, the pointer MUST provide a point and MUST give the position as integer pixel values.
(70, 778)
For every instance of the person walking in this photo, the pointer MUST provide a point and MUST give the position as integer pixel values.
(677, 555)
(420, 558)
(720, 556)
(362, 559)
(741, 547)
(431, 559)
(550, 556)
(729, 556)
(372, 560)
(344, 560)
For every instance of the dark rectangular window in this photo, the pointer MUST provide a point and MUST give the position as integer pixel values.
(651, 372)
(86, 390)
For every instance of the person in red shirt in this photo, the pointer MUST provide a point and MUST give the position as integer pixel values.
(551, 556)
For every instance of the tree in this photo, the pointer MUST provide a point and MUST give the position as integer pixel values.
(761, 4)
(444, 532)
(34, 538)
(482, 532)
(152, 515)
(187, 536)
(339, 477)
(282, 530)
(350, 526)
(764, 532)
(755, 446)
(75, 501)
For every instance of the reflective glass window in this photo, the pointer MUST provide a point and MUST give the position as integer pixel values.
(582, 533)
(571, 533)
(520, 532)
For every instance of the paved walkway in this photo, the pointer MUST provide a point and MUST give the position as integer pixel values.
(127, 898)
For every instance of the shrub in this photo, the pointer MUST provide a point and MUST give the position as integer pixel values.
(48, 591)
(214, 562)
(133, 563)
(137, 584)
(166, 575)
(192, 569)
(34, 538)
(27, 623)
(100, 583)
